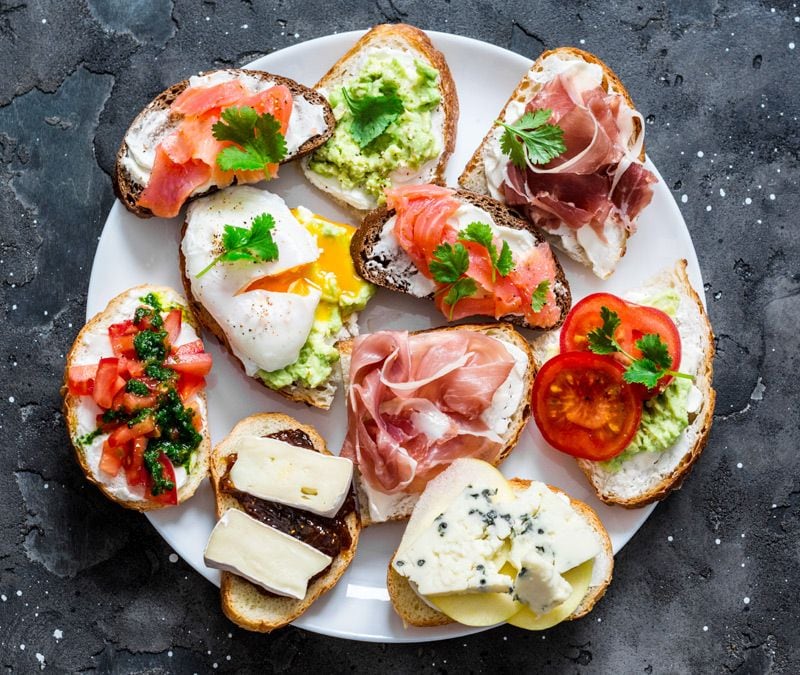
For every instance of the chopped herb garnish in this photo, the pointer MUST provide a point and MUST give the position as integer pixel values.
(372, 115)
(531, 140)
(258, 140)
(152, 300)
(137, 387)
(481, 233)
(240, 243)
(539, 296)
(153, 465)
(160, 373)
(150, 345)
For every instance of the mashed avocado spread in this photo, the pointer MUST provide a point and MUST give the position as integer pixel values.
(664, 417)
(408, 142)
(343, 292)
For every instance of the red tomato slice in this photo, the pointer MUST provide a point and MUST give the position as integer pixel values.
(170, 497)
(80, 380)
(123, 434)
(636, 322)
(194, 347)
(191, 364)
(133, 403)
(189, 385)
(111, 459)
(172, 324)
(107, 382)
(134, 463)
(584, 407)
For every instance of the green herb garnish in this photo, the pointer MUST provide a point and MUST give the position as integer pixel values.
(531, 139)
(159, 372)
(150, 346)
(258, 139)
(539, 296)
(481, 233)
(372, 115)
(241, 243)
(137, 387)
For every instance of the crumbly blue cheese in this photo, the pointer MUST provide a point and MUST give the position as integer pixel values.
(539, 586)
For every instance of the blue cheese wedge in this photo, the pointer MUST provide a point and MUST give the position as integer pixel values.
(539, 586)
(279, 472)
(263, 555)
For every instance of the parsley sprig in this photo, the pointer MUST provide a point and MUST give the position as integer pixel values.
(531, 139)
(241, 243)
(372, 115)
(539, 296)
(258, 139)
(481, 233)
(654, 363)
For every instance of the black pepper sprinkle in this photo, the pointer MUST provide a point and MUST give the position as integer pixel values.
(400, 563)
(420, 562)
(540, 531)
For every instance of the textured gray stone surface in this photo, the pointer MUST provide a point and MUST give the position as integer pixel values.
(710, 583)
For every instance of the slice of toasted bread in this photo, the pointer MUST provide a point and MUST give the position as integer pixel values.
(80, 412)
(414, 611)
(474, 175)
(417, 44)
(403, 506)
(394, 273)
(128, 189)
(650, 476)
(243, 602)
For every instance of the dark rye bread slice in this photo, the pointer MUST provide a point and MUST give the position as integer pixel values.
(243, 602)
(414, 611)
(375, 269)
(128, 190)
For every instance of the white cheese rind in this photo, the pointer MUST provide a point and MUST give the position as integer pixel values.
(263, 555)
(279, 472)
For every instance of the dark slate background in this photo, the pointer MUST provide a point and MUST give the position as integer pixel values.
(710, 582)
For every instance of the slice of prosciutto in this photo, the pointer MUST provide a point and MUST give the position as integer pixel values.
(416, 403)
(599, 178)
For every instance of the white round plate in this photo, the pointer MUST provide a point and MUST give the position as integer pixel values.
(133, 251)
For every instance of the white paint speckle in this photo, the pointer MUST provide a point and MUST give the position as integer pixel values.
(22, 647)
(791, 45)
(746, 601)
(684, 199)
(19, 594)
(758, 391)
(169, 653)
(708, 208)
(13, 306)
(739, 465)
(173, 558)
(721, 192)
(748, 201)
(705, 629)
(43, 21)
(40, 659)
(3, 597)
(245, 26)
(717, 542)
(582, 41)
(10, 399)
(772, 197)
(700, 153)
(58, 634)
(669, 538)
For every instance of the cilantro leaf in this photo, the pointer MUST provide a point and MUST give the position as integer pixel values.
(481, 233)
(643, 371)
(539, 296)
(372, 115)
(505, 262)
(531, 140)
(258, 139)
(241, 243)
(463, 288)
(449, 263)
(601, 340)
(655, 349)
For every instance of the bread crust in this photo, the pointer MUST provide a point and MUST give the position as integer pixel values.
(275, 611)
(368, 234)
(128, 190)
(675, 479)
(420, 43)
(415, 612)
(520, 418)
(72, 402)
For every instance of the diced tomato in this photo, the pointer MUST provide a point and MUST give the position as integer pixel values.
(126, 327)
(171, 496)
(123, 434)
(189, 385)
(130, 367)
(111, 459)
(135, 471)
(194, 347)
(191, 364)
(107, 382)
(123, 345)
(172, 324)
(133, 403)
(80, 380)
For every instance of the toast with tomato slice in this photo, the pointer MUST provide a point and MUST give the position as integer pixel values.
(380, 258)
(310, 124)
(244, 603)
(649, 476)
(119, 472)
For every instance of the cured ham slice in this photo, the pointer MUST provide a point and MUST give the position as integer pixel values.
(416, 402)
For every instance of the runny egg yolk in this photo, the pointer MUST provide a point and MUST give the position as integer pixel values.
(333, 265)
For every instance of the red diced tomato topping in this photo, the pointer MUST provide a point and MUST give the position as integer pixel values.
(171, 496)
(107, 382)
(111, 459)
(191, 364)
(123, 434)
(135, 471)
(80, 380)
(172, 324)
(194, 347)
(189, 385)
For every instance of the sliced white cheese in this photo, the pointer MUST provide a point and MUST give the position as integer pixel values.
(263, 555)
(279, 472)
(539, 586)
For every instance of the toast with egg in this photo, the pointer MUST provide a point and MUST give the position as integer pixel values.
(135, 157)
(409, 42)
(648, 477)
(402, 504)
(243, 602)
(380, 260)
(81, 420)
(475, 177)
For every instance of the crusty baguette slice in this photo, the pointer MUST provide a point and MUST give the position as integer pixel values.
(128, 190)
(648, 477)
(414, 611)
(84, 351)
(416, 43)
(243, 602)
(390, 273)
(501, 331)
(474, 176)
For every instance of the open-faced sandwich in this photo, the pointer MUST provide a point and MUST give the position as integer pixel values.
(135, 402)
(277, 287)
(418, 401)
(626, 388)
(288, 526)
(482, 550)
(396, 114)
(466, 252)
(212, 130)
(567, 152)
